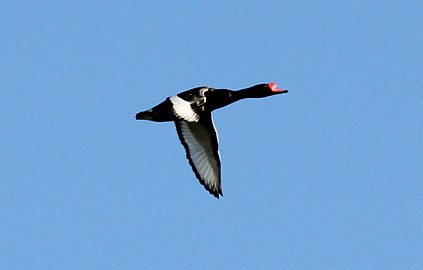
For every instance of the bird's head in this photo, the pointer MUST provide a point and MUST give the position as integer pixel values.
(264, 90)
(273, 89)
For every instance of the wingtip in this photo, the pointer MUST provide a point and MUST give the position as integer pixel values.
(215, 193)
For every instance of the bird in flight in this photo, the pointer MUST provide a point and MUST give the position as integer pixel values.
(191, 112)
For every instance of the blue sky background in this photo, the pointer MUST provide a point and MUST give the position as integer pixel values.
(328, 176)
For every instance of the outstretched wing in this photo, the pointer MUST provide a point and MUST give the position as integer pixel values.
(201, 145)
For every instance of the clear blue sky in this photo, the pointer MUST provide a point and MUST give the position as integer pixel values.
(328, 176)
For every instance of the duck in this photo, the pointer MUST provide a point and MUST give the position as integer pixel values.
(191, 112)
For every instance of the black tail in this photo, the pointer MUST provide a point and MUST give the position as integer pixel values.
(159, 113)
(146, 115)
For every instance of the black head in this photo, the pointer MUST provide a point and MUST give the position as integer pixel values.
(264, 90)
(274, 89)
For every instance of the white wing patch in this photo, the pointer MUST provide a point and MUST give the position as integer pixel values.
(201, 147)
(182, 109)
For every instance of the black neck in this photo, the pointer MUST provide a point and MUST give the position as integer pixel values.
(223, 97)
(250, 92)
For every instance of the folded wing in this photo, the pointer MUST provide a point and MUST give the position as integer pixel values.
(183, 109)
